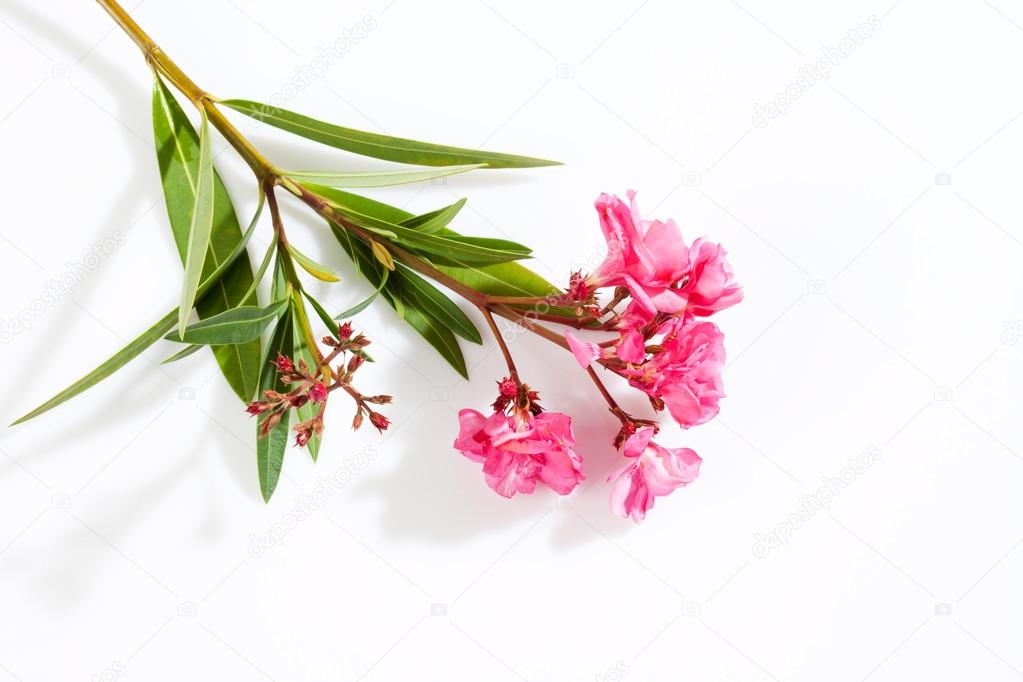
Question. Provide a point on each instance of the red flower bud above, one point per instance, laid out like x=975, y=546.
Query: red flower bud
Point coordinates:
x=299, y=400
x=344, y=331
x=317, y=392
x=357, y=422
x=301, y=438
x=284, y=364
x=355, y=363
x=257, y=407
x=380, y=421
x=507, y=388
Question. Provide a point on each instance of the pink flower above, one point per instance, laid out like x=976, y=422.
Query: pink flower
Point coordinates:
x=654, y=471
x=647, y=256
x=519, y=450
x=686, y=375
x=710, y=286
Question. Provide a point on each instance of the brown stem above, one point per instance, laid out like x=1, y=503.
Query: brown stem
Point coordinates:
x=199, y=97
x=612, y=404
x=500, y=342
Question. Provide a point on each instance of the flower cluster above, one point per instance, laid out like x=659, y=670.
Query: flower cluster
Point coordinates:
x=520, y=444
x=316, y=386
x=661, y=289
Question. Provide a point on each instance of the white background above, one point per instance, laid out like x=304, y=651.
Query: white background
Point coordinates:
x=875, y=226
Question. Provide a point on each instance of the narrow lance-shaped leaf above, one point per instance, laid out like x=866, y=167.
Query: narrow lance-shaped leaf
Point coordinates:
x=237, y=325
x=318, y=271
x=501, y=279
x=434, y=221
x=140, y=343
x=182, y=354
x=435, y=333
x=177, y=151
x=379, y=146
x=362, y=305
x=200, y=229
x=270, y=448
x=450, y=248
x=379, y=178
x=433, y=302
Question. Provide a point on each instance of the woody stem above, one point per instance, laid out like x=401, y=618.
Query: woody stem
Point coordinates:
x=501, y=342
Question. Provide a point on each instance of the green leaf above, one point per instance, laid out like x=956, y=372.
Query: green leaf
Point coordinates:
x=502, y=279
x=379, y=146
x=434, y=221
x=201, y=228
x=177, y=150
x=318, y=271
x=378, y=178
x=182, y=354
x=142, y=341
x=449, y=248
x=435, y=333
x=359, y=307
x=270, y=449
x=432, y=302
x=263, y=265
x=321, y=313
x=234, y=326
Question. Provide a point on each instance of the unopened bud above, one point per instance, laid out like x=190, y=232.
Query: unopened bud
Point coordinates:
x=355, y=363
x=257, y=407
x=380, y=421
x=344, y=331
x=317, y=392
x=357, y=422
x=284, y=364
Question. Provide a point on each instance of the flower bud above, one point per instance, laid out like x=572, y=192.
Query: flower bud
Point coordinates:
x=357, y=422
x=284, y=364
x=299, y=400
x=257, y=407
x=301, y=438
x=380, y=421
x=317, y=392
x=355, y=363
x=344, y=331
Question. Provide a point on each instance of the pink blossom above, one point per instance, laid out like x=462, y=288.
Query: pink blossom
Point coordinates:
x=654, y=471
x=686, y=375
x=519, y=450
x=647, y=256
x=710, y=286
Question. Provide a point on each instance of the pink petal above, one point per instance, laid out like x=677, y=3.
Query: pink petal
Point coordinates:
x=584, y=352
